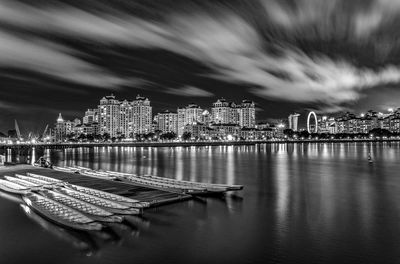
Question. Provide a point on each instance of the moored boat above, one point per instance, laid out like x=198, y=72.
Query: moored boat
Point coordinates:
x=65, y=169
x=166, y=186
x=91, y=210
x=99, y=175
x=181, y=185
x=109, y=196
x=13, y=187
x=105, y=204
x=27, y=184
x=45, y=178
x=209, y=186
x=60, y=213
x=77, y=239
x=34, y=180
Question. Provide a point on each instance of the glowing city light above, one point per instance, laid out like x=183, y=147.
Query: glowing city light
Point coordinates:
x=312, y=114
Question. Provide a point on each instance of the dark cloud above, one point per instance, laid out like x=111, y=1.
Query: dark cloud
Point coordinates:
x=329, y=55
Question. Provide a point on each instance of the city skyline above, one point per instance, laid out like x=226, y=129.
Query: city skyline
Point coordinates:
x=122, y=119
x=57, y=57
x=301, y=122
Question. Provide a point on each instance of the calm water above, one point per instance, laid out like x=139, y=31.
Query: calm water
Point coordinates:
x=304, y=203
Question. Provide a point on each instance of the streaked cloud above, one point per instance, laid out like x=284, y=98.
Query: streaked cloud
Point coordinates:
x=226, y=40
x=7, y=106
x=54, y=60
x=189, y=91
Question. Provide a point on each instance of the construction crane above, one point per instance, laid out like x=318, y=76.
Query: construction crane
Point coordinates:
x=45, y=131
x=17, y=130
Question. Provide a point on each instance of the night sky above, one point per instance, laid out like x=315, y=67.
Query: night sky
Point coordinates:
x=327, y=55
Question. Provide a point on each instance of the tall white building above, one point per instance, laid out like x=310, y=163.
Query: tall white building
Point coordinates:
x=167, y=122
x=109, y=116
x=141, y=115
x=91, y=116
x=126, y=119
x=189, y=115
x=293, y=121
x=247, y=114
x=224, y=112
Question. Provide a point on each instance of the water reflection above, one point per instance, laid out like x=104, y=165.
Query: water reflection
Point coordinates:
x=82, y=241
x=325, y=199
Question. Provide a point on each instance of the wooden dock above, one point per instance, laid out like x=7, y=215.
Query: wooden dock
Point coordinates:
x=154, y=197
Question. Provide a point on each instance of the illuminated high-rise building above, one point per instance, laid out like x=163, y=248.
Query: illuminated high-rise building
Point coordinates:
x=224, y=112
x=109, y=116
x=167, y=122
x=91, y=116
x=141, y=115
x=247, y=114
x=294, y=121
x=126, y=119
x=189, y=115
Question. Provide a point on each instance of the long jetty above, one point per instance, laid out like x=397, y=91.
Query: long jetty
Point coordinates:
x=151, y=196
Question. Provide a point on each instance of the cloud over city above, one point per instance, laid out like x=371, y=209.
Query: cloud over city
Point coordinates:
x=327, y=53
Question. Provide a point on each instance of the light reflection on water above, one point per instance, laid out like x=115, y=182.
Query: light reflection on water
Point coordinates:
x=302, y=203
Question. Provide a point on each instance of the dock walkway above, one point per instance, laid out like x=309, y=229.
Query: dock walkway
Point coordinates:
x=153, y=197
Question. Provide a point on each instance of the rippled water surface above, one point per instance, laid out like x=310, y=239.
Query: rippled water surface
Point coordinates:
x=302, y=203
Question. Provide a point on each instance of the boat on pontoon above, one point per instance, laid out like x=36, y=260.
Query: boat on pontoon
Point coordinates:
x=27, y=184
x=105, y=204
x=109, y=196
x=13, y=187
x=212, y=187
x=45, y=178
x=60, y=213
x=39, y=182
x=165, y=186
x=99, y=175
x=91, y=210
x=65, y=169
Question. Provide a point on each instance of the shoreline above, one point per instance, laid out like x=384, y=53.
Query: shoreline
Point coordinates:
x=189, y=143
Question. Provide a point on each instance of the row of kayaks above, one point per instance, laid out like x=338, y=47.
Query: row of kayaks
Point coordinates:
x=71, y=205
x=188, y=187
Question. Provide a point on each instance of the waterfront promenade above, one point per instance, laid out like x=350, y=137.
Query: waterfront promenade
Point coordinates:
x=184, y=143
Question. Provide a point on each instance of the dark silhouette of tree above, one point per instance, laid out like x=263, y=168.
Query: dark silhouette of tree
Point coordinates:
x=186, y=135
x=106, y=136
x=379, y=132
x=288, y=132
x=304, y=134
x=168, y=136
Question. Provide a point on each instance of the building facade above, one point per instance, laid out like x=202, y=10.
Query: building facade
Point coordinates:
x=141, y=115
x=224, y=112
x=91, y=116
x=189, y=115
x=247, y=114
x=167, y=122
x=294, y=121
x=109, y=116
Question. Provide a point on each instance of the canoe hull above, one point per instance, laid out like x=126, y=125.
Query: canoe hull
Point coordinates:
x=92, y=226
